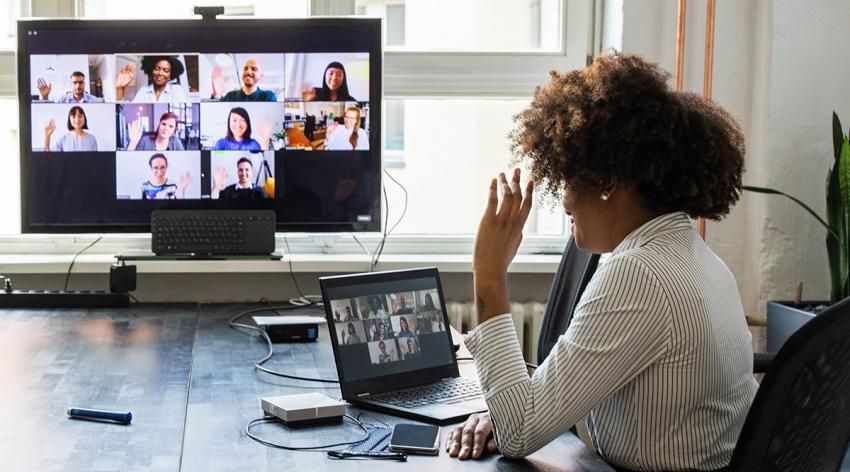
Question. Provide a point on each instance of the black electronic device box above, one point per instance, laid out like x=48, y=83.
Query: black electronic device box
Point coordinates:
x=103, y=144
x=287, y=329
x=122, y=278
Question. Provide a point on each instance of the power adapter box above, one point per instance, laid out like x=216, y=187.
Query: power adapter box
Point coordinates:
x=288, y=329
x=122, y=278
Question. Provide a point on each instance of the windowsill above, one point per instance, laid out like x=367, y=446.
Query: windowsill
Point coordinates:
x=321, y=263
x=316, y=253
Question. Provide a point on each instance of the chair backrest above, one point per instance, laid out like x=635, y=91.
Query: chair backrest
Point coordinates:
x=575, y=271
x=800, y=417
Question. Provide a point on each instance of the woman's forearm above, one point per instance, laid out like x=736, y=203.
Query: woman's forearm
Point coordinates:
x=491, y=295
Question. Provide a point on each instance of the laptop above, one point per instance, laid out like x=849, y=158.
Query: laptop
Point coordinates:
x=393, y=347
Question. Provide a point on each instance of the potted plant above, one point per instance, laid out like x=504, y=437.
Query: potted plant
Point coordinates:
x=783, y=318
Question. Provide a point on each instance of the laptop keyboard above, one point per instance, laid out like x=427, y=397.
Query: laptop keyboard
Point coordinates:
x=447, y=391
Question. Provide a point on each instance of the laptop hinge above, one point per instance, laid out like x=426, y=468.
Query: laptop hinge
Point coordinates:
x=364, y=394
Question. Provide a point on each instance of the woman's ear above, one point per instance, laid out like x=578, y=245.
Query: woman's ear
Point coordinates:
x=609, y=187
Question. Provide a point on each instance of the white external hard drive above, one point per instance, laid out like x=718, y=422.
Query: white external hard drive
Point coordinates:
x=304, y=408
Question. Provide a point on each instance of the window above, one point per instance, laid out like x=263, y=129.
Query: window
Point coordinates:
x=395, y=25
x=9, y=12
x=452, y=84
x=452, y=150
x=102, y=9
x=10, y=195
x=393, y=155
x=468, y=25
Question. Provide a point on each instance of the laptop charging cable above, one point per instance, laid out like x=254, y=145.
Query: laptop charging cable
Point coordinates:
x=366, y=447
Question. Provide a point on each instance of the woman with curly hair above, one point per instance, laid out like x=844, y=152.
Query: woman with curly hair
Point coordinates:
x=657, y=358
x=163, y=87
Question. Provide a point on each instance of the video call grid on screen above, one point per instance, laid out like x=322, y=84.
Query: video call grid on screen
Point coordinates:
x=388, y=328
x=203, y=110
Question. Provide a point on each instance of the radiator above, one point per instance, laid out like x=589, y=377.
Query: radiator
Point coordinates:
x=527, y=316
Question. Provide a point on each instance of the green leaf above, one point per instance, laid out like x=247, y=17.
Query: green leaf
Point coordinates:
x=844, y=244
x=837, y=135
x=844, y=173
x=835, y=247
x=751, y=188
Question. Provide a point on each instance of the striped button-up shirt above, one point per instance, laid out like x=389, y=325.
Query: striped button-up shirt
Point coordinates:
x=657, y=360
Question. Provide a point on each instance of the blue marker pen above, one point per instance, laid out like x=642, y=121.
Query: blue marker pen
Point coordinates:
x=100, y=415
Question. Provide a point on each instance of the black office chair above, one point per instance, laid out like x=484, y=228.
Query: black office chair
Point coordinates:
x=574, y=272
x=800, y=418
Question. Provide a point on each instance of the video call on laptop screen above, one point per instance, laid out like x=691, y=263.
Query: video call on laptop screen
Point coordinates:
x=127, y=120
x=388, y=328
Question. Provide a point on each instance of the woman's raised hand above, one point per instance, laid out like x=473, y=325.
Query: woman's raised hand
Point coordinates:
x=126, y=76
x=49, y=128
x=43, y=88
x=135, y=132
x=500, y=230
x=308, y=92
x=264, y=134
x=219, y=82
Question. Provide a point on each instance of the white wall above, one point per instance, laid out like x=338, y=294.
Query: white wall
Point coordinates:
x=781, y=67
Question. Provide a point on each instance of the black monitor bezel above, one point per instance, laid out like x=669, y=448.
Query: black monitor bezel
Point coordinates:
x=352, y=389
x=375, y=100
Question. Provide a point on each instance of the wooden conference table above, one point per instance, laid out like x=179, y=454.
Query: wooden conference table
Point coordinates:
x=189, y=381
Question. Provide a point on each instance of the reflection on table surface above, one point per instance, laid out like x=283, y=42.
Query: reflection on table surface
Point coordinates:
x=189, y=381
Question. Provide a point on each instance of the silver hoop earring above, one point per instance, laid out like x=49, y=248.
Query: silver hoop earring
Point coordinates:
x=605, y=196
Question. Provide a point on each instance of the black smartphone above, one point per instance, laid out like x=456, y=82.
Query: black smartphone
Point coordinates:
x=416, y=438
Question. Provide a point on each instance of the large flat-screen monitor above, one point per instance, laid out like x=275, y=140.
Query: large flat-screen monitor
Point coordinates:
x=120, y=118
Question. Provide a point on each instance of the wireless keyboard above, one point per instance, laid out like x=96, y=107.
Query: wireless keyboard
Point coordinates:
x=212, y=232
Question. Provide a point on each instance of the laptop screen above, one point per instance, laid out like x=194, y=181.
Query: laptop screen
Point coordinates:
x=385, y=327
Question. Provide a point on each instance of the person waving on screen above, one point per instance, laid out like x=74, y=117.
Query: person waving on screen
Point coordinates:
x=76, y=139
x=252, y=73
x=161, y=88
x=334, y=86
